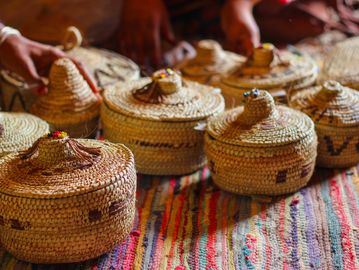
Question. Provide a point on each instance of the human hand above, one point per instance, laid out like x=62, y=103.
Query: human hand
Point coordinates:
x=29, y=59
x=143, y=24
x=240, y=28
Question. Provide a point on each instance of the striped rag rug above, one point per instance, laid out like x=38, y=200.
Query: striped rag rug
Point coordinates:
x=187, y=223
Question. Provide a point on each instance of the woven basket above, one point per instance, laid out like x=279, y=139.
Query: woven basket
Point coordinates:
x=271, y=70
x=335, y=111
x=18, y=131
x=71, y=104
x=210, y=62
x=261, y=149
x=106, y=67
x=341, y=64
x=66, y=200
x=157, y=119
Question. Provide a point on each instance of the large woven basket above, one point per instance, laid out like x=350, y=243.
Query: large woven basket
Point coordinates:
x=210, y=62
x=341, y=64
x=66, y=200
x=18, y=131
x=335, y=111
x=157, y=119
x=267, y=68
x=71, y=103
x=261, y=149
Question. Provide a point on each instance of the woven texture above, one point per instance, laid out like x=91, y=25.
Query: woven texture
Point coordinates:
x=160, y=128
x=210, y=62
x=71, y=105
x=187, y=223
x=271, y=70
x=261, y=148
x=341, y=64
x=18, y=131
x=335, y=111
x=60, y=195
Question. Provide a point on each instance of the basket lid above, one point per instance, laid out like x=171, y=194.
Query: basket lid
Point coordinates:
x=211, y=59
x=19, y=130
x=106, y=67
x=57, y=166
x=70, y=98
x=267, y=68
x=341, y=63
x=260, y=123
x=329, y=104
x=165, y=97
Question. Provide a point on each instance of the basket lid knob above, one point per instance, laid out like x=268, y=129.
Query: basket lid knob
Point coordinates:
x=262, y=56
x=331, y=88
x=259, y=105
x=168, y=80
x=72, y=39
x=208, y=52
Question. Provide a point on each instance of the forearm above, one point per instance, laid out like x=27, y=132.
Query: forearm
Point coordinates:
x=246, y=3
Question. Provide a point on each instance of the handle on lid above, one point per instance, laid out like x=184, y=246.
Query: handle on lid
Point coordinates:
x=163, y=82
x=72, y=39
x=56, y=148
x=259, y=105
x=208, y=52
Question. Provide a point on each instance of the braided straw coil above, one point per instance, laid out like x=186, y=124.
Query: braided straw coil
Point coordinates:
x=156, y=118
x=106, y=67
x=261, y=149
x=18, y=131
x=71, y=104
x=335, y=112
x=210, y=62
x=341, y=64
x=268, y=69
x=66, y=200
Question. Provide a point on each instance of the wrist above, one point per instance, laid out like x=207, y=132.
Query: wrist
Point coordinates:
x=6, y=32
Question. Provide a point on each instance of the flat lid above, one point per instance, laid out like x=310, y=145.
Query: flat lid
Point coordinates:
x=70, y=97
x=57, y=166
x=211, y=59
x=266, y=69
x=260, y=123
x=164, y=97
x=329, y=104
x=19, y=131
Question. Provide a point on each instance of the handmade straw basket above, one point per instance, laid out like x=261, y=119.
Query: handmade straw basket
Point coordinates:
x=341, y=64
x=104, y=66
x=66, y=200
x=266, y=68
x=18, y=131
x=335, y=112
x=71, y=104
x=158, y=118
x=261, y=149
x=210, y=62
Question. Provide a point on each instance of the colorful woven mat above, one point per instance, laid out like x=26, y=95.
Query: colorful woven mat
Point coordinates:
x=187, y=223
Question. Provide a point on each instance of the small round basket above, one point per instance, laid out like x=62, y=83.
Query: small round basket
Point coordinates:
x=341, y=64
x=18, y=131
x=66, y=200
x=267, y=68
x=260, y=148
x=71, y=104
x=159, y=119
x=210, y=62
x=335, y=112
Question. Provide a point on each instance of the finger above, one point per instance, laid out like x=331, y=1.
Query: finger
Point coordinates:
x=166, y=30
x=29, y=73
x=153, y=44
x=139, y=46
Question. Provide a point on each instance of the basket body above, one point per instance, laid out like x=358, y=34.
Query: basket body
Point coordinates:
x=261, y=171
x=338, y=147
x=159, y=147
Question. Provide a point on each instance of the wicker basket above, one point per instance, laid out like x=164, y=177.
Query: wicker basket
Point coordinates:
x=261, y=149
x=71, y=103
x=157, y=119
x=335, y=111
x=210, y=62
x=66, y=200
x=278, y=72
x=18, y=131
